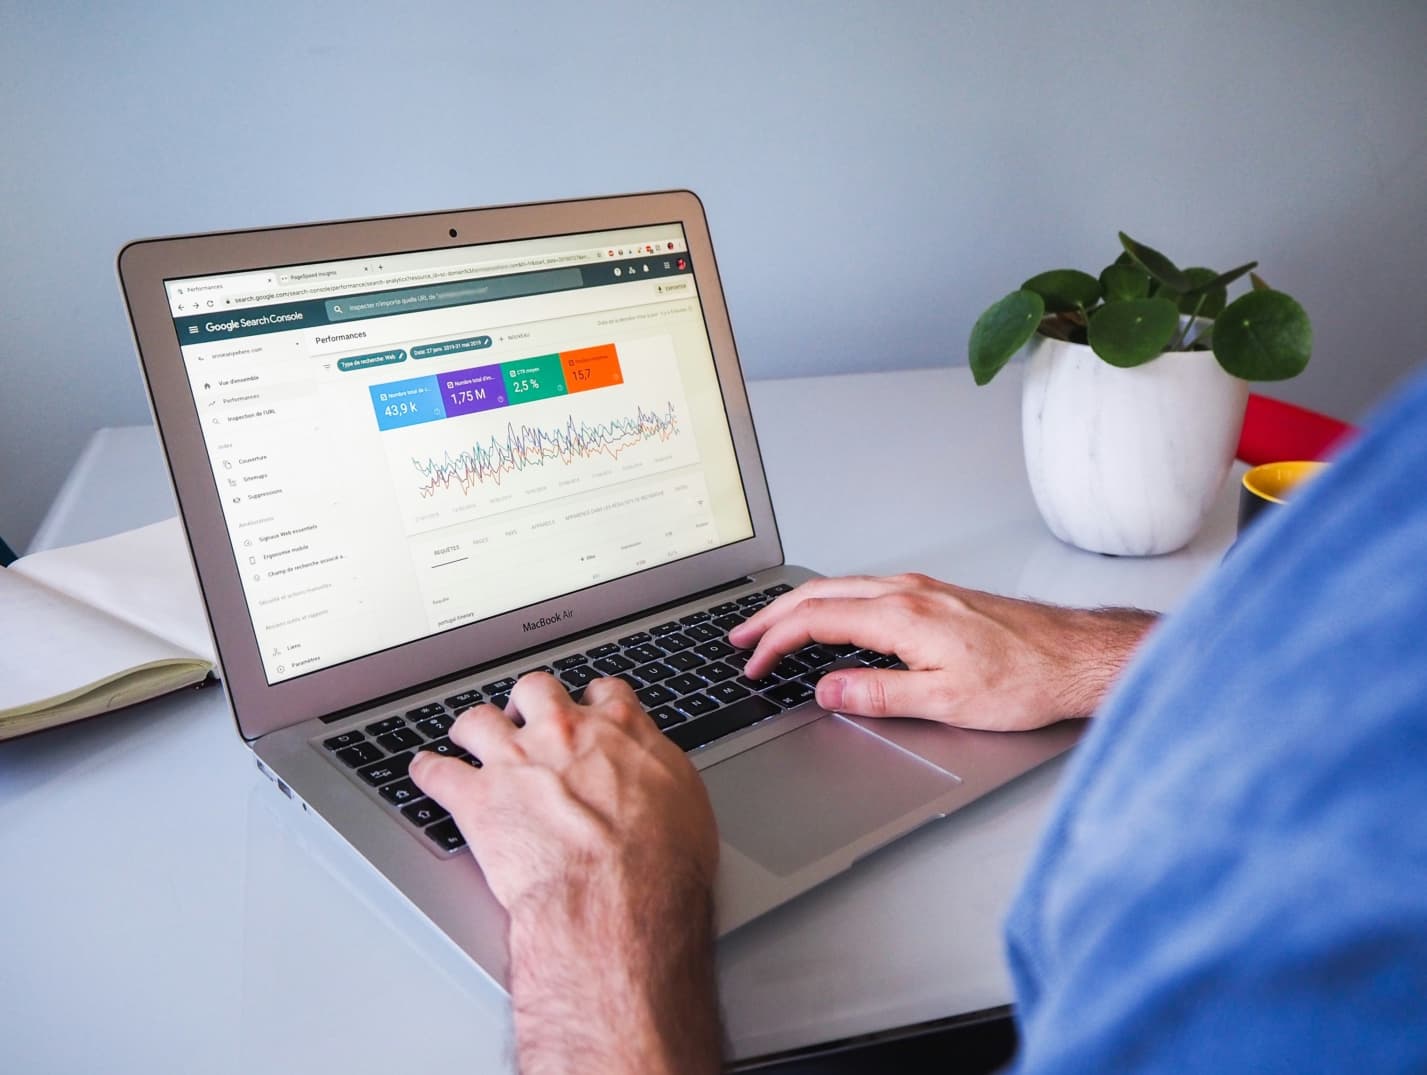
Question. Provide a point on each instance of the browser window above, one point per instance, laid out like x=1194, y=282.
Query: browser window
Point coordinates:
x=408, y=444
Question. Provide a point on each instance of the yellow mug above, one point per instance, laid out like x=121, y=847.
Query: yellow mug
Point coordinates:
x=1271, y=484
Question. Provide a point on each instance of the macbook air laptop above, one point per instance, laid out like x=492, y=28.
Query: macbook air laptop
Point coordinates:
x=417, y=457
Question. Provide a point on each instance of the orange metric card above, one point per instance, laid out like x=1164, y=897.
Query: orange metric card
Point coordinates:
x=591, y=367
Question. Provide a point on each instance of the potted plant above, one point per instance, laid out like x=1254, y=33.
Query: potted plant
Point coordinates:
x=1135, y=391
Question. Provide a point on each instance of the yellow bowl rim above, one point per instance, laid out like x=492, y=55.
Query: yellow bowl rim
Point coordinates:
x=1304, y=468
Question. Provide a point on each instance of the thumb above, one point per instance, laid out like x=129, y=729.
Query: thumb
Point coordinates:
x=877, y=692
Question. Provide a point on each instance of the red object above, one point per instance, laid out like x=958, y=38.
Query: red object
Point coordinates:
x=1276, y=432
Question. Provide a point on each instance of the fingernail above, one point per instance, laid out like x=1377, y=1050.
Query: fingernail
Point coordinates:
x=830, y=691
x=418, y=762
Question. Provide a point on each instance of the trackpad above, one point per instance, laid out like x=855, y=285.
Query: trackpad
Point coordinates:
x=805, y=795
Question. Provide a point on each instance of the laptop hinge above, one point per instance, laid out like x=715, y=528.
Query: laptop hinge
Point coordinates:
x=340, y=714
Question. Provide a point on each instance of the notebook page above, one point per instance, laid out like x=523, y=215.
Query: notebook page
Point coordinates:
x=56, y=647
x=143, y=576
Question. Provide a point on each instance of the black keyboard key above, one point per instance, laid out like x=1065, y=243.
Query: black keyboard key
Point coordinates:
x=436, y=727
x=777, y=590
x=614, y=664
x=604, y=651
x=684, y=662
x=665, y=717
x=399, y=740
x=752, y=600
x=464, y=700
x=445, y=835
x=425, y=812
x=577, y=693
x=445, y=748
x=789, y=694
x=885, y=660
x=401, y=791
x=716, y=671
x=704, y=632
x=645, y=651
x=715, y=650
x=674, y=641
x=654, y=694
x=634, y=639
x=579, y=675
x=723, y=609
x=866, y=656
x=500, y=686
x=729, y=622
x=654, y=671
x=346, y=739
x=500, y=701
x=741, y=714
x=693, y=618
x=789, y=668
x=727, y=693
x=816, y=656
x=359, y=754
x=537, y=668
x=686, y=683
x=695, y=705
x=386, y=770
x=430, y=709
x=664, y=629
x=391, y=724
x=565, y=663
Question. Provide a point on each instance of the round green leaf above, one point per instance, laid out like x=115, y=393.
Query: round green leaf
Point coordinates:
x=1124, y=282
x=1132, y=332
x=1002, y=331
x=1203, y=282
x=1263, y=336
x=1065, y=289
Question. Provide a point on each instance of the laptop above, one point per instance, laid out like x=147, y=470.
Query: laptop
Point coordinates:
x=417, y=457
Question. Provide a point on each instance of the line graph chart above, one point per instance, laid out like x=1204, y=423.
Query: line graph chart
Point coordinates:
x=474, y=466
x=521, y=447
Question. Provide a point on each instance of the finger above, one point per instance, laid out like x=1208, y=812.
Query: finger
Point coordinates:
x=447, y=780
x=535, y=695
x=487, y=732
x=877, y=692
x=860, y=621
x=608, y=689
x=747, y=633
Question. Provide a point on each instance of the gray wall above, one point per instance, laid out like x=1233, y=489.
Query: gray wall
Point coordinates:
x=875, y=173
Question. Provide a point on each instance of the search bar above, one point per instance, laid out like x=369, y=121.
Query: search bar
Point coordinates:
x=436, y=296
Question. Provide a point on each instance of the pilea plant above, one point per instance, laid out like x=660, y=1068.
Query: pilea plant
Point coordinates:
x=1144, y=305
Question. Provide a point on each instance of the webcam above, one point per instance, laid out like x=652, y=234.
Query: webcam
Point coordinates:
x=453, y=233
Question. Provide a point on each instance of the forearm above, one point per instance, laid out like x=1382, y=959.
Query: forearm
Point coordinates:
x=1094, y=648
x=602, y=981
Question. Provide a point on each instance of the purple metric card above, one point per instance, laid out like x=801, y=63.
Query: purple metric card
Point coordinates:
x=472, y=390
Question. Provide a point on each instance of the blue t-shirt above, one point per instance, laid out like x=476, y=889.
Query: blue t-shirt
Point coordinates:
x=1234, y=878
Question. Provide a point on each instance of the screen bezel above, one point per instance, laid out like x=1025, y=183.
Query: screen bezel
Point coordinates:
x=260, y=707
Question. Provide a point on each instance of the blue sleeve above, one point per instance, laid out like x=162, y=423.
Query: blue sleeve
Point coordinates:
x=1234, y=878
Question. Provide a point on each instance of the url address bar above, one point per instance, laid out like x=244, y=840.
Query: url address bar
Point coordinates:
x=369, y=282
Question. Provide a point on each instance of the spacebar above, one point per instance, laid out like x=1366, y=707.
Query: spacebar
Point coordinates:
x=741, y=714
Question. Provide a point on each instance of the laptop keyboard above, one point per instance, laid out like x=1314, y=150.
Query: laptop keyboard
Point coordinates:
x=684, y=672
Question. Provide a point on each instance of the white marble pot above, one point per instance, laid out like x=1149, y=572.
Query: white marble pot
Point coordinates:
x=1127, y=461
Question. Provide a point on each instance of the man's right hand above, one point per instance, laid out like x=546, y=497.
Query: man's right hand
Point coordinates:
x=973, y=659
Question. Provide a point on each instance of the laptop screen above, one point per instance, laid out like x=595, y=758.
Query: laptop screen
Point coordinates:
x=406, y=444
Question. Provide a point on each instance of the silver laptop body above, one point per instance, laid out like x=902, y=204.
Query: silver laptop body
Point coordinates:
x=418, y=456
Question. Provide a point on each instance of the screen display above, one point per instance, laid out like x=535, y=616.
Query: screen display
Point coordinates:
x=403, y=445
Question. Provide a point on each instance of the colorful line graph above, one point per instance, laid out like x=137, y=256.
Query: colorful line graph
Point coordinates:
x=525, y=447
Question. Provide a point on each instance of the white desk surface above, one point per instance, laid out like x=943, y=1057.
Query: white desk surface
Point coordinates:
x=166, y=909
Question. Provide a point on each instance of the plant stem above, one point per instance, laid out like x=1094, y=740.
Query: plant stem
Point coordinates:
x=1178, y=343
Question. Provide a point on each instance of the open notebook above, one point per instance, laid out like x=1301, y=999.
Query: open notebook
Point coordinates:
x=99, y=626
